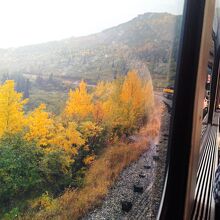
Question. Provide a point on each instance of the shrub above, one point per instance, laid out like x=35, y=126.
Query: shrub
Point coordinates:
x=27, y=171
x=56, y=170
x=45, y=201
x=19, y=168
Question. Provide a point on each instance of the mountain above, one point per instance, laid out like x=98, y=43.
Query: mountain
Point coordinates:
x=146, y=42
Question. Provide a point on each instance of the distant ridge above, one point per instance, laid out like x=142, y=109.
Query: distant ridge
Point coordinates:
x=147, y=38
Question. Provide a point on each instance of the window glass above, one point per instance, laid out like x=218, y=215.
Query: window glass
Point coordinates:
x=86, y=92
x=209, y=74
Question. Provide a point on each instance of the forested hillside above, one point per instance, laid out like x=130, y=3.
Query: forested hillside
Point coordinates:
x=147, y=38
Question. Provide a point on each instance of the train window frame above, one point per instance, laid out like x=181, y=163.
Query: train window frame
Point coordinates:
x=187, y=95
x=185, y=126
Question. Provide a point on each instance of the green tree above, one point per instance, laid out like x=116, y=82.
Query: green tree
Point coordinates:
x=27, y=170
x=19, y=168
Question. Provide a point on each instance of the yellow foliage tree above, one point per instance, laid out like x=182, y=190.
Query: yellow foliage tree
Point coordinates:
x=40, y=125
x=103, y=90
x=148, y=96
x=90, y=129
x=132, y=90
x=128, y=102
x=109, y=108
x=100, y=90
x=92, y=134
x=67, y=137
x=79, y=103
x=136, y=97
x=102, y=97
x=98, y=112
x=52, y=134
x=12, y=118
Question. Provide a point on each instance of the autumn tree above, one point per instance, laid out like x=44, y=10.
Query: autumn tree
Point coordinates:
x=90, y=131
x=107, y=108
x=148, y=95
x=137, y=97
x=39, y=125
x=103, y=90
x=127, y=103
x=79, y=104
x=132, y=98
x=12, y=118
x=98, y=112
x=132, y=90
x=67, y=137
x=52, y=134
x=101, y=98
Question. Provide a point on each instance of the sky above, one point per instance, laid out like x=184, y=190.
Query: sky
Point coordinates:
x=25, y=22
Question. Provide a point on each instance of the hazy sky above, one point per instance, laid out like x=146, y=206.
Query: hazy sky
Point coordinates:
x=24, y=22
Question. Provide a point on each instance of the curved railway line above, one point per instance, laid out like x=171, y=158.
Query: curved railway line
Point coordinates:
x=147, y=172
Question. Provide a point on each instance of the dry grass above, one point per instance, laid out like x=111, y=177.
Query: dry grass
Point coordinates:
x=74, y=204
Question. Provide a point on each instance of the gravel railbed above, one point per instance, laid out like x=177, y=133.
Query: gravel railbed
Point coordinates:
x=144, y=205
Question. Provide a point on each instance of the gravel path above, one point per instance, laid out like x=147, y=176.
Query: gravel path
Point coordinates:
x=148, y=172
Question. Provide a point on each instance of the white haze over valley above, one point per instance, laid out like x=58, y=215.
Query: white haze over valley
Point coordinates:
x=25, y=22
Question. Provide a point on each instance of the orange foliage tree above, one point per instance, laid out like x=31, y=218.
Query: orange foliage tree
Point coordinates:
x=127, y=101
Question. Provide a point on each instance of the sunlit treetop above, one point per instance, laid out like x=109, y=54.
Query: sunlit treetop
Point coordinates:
x=39, y=125
x=79, y=103
x=12, y=118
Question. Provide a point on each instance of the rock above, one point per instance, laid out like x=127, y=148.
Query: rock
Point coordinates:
x=147, y=167
x=156, y=158
x=142, y=175
x=126, y=206
x=138, y=188
x=132, y=139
